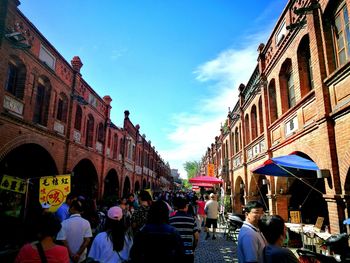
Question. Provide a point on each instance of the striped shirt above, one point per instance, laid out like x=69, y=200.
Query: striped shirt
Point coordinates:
x=186, y=225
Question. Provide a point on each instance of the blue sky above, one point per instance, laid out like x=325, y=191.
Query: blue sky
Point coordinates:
x=174, y=64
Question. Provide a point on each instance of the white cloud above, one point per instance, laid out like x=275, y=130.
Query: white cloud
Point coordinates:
x=195, y=131
x=118, y=53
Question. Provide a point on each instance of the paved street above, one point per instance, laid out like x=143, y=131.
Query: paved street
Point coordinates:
x=218, y=251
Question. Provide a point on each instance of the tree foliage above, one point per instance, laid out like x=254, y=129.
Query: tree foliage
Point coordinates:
x=192, y=168
x=186, y=184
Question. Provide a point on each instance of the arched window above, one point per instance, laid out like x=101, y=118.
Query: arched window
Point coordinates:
x=78, y=117
x=287, y=86
x=101, y=133
x=16, y=77
x=254, y=122
x=90, y=131
x=247, y=129
x=115, y=146
x=42, y=101
x=232, y=146
x=261, y=120
x=62, y=108
x=121, y=146
x=237, y=144
x=341, y=34
x=272, y=101
x=305, y=66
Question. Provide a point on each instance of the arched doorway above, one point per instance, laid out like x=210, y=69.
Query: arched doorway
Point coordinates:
x=303, y=198
x=126, y=187
x=259, y=189
x=239, y=193
x=111, y=185
x=144, y=184
x=28, y=162
x=137, y=186
x=85, y=180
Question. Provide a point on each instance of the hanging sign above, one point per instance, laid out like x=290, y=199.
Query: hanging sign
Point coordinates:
x=295, y=217
x=14, y=184
x=53, y=190
x=211, y=169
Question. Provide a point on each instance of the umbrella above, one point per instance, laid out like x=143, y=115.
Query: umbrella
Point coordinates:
x=285, y=165
x=205, y=179
x=346, y=221
x=289, y=165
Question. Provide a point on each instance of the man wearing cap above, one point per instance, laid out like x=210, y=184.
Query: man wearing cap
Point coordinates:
x=75, y=233
x=211, y=208
x=112, y=246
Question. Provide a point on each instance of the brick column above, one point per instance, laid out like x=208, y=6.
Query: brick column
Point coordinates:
x=282, y=202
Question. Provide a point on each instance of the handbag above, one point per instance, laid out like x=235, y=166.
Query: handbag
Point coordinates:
x=41, y=252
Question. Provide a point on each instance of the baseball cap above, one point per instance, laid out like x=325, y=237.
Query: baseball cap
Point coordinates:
x=115, y=213
x=45, y=205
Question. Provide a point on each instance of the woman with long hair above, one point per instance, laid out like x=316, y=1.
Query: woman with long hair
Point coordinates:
x=112, y=245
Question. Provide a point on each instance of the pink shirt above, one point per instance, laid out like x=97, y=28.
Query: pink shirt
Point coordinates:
x=30, y=254
x=201, y=205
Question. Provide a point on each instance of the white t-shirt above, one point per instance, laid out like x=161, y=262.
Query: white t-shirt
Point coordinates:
x=102, y=249
x=74, y=230
x=251, y=243
x=212, y=207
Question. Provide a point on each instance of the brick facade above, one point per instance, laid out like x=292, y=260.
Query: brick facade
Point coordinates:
x=300, y=56
x=46, y=103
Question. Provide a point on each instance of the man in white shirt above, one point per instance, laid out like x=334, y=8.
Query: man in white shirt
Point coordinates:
x=251, y=241
x=211, y=209
x=75, y=233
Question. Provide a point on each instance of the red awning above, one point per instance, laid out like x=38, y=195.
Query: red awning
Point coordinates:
x=205, y=179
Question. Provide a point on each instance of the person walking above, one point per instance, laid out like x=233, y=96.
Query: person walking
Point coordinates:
x=251, y=241
x=36, y=252
x=62, y=212
x=157, y=241
x=187, y=227
x=75, y=233
x=112, y=245
x=201, y=213
x=211, y=209
x=140, y=215
x=274, y=230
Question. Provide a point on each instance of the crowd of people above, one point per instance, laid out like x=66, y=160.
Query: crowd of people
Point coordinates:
x=164, y=227
x=142, y=228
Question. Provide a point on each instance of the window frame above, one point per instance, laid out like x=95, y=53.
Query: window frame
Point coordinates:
x=339, y=13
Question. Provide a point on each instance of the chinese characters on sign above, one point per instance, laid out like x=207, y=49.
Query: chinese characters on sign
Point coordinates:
x=295, y=217
x=211, y=169
x=14, y=184
x=53, y=190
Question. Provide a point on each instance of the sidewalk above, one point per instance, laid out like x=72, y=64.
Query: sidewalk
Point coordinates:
x=215, y=251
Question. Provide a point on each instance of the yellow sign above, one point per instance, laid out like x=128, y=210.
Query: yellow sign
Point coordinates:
x=211, y=169
x=149, y=191
x=53, y=190
x=14, y=184
x=295, y=217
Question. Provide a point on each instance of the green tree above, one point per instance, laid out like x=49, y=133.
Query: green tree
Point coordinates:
x=192, y=168
x=186, y=184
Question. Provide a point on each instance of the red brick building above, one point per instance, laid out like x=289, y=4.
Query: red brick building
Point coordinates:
x=296, y=101
x=52, y=122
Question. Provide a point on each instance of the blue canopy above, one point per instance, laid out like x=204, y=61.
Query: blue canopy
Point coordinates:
x=295, y=164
